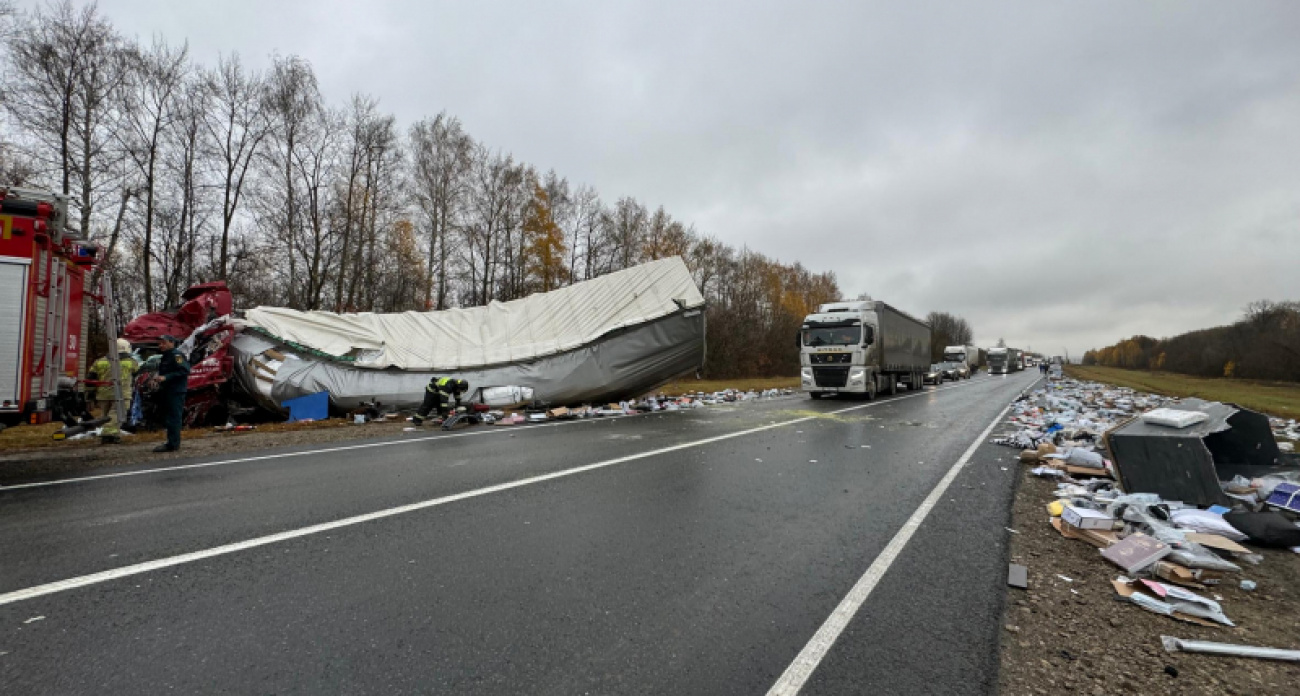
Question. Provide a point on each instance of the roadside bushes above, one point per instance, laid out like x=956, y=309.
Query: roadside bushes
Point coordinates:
x=1264, y=344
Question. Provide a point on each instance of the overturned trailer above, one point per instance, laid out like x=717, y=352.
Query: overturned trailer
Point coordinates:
x=611, y=337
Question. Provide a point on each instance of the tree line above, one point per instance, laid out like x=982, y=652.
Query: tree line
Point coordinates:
x=1264, y=344
x=185, y=173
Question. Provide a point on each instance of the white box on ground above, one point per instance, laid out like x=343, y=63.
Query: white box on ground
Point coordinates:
x=1083, y=518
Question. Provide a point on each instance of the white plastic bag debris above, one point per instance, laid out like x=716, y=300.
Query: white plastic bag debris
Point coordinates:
x=1205, y=522
x=505, y=397
x=1210, y=648
x=1173, y=418
x=1084, y=458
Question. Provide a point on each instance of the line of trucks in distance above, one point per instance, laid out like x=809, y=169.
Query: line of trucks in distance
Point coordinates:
x=866, y=347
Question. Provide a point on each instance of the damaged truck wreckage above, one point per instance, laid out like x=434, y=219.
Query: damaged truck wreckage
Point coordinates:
x=611, y=337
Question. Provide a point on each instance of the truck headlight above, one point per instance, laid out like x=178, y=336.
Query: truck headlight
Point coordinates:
x=857, y=375
x=805, y=373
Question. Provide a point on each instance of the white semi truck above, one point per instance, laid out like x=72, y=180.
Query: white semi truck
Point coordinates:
x=965, y=355
x=861, y=347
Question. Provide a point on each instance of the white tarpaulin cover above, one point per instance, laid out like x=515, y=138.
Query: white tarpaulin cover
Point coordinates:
x=503, y=332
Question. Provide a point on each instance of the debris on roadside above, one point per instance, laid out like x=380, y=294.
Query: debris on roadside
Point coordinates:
x=1203, y=646
x=1018, y=576
x=1173, y=492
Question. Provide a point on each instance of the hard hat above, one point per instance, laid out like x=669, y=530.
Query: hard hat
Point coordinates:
x=123, y=345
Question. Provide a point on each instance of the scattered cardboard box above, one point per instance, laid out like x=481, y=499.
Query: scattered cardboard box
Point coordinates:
x=1136, y=551
x=1083, y=518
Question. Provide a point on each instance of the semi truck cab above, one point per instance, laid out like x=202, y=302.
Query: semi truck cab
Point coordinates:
x=834, y=350
x=861, y=347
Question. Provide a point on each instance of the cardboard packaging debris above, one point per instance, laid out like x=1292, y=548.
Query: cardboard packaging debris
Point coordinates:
x=1096, y=537
x=1176, y=574
x=1136, y=551
x=1182, y=605
x=1216, y=542
x=1083, y=518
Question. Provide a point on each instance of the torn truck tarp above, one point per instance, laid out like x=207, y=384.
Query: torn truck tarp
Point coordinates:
x=500, y=333
x=646, y=340
x=1180, y=463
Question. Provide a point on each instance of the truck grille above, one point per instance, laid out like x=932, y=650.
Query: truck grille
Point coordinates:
x=830, y=358
x=831, y=376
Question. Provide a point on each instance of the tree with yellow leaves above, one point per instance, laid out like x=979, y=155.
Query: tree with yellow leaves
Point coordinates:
x=544, y=246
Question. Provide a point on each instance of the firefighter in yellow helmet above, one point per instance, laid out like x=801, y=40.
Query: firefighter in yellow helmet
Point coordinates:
x=440, y=393
x=101, y=372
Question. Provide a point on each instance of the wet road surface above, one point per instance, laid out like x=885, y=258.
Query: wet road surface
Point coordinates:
x=788, y=545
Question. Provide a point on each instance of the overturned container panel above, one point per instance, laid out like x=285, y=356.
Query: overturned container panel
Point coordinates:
x=614, y=336
x=1187, y=464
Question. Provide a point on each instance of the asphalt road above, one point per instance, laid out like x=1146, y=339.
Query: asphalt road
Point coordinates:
x=701, y=552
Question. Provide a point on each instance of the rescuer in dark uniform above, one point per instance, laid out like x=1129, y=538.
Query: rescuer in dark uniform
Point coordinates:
x=172, y=380
x=440, y=393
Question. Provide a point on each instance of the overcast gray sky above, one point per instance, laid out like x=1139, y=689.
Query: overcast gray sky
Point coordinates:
x=1062, y=174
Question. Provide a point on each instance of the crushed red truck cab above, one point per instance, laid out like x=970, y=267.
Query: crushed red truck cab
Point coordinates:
x=45, y=306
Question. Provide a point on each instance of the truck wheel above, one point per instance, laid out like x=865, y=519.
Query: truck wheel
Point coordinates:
x=871, y=389
x=815, y=395
x=893, y=385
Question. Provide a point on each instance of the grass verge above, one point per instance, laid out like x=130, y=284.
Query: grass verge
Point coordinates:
x=1279, y=399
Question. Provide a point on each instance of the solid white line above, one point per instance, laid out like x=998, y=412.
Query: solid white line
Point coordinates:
x=148, y=566
x=241, y=460
x=796, y=675
x=326, y=450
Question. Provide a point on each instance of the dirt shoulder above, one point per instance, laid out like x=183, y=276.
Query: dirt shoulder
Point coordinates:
x=1076, y=637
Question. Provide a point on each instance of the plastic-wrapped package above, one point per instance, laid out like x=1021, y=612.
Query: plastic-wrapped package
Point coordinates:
x=1207, y=522
x=1174, y=418
x=504, y=397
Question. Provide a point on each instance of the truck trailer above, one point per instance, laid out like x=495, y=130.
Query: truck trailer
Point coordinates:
x=862, y=347
x=45, y=308
x=966, y=355
x=1004, y=361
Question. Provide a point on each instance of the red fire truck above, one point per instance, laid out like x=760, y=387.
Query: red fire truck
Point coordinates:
x=45, y=307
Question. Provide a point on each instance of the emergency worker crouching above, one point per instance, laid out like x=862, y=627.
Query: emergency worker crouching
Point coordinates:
x=443, y=394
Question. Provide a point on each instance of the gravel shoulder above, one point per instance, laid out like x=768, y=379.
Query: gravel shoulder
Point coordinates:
x=1079, y=638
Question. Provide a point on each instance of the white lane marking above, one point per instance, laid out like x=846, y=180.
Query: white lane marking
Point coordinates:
x=344, y=448
x=148, y=566
x=241, y=460
x=796, y=675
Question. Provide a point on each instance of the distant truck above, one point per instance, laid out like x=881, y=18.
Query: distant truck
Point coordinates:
x=862, y=347
x=966, y=355
x=1005, y=361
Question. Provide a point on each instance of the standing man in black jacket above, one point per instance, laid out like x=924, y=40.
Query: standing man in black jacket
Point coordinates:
x=172, y=380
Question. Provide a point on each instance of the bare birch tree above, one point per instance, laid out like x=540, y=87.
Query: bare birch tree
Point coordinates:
x=440, y=167
x=149, y=108
x=236, y=126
